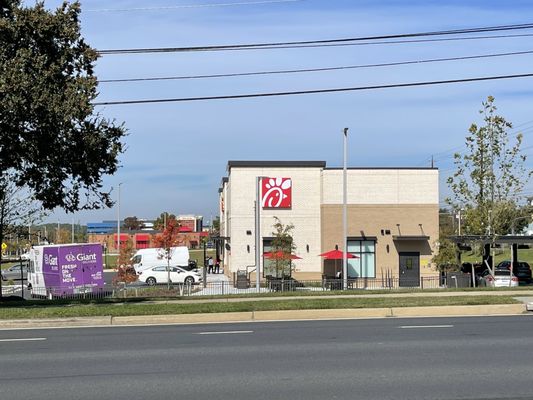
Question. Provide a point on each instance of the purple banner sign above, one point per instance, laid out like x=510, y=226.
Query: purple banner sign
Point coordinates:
x=73, y=269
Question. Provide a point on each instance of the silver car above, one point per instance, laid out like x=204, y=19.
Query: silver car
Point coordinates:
x=500, y=278
x=13, y=273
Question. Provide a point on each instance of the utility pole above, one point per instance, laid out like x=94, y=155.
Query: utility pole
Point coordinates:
x=344, y=216
x=118, y=222
x=459, y=216
x=72, y=237
x=258, y=234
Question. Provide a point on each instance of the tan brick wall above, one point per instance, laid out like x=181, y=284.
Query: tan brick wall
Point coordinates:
x=368, y=220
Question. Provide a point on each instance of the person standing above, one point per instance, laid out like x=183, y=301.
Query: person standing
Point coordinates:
x=210, y=265
x=217, y=266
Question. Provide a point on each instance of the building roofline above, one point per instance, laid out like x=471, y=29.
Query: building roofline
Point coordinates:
x=276, y=164
x=382, y=168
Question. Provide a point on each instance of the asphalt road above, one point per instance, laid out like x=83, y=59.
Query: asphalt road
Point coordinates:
x=425, y=358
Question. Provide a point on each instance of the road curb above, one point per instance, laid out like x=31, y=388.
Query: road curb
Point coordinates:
x=55, y=322
x=260, y=316
x=449, y=311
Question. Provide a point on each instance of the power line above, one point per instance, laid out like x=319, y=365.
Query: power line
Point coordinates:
x=317, y=42
x=189, y=6
x=293, y=71
x=316, y=91
x=174, y=50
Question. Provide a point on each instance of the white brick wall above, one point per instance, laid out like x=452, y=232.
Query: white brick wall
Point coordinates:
x=304, y=215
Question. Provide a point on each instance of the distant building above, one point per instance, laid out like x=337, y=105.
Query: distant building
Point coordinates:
x=190, y=223
x=105, y=233
x=104, y=227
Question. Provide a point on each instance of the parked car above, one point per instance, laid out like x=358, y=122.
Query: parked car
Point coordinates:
x=193, y=266
x=159, y=274
x=13, y=273
x=500, y=278
x=521, y=270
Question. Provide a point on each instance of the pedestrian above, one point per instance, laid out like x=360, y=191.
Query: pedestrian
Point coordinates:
x=217, y=266
x=210, y=265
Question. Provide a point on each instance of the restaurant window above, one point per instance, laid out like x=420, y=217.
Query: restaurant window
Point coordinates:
x=365, y=265
x=269, y=263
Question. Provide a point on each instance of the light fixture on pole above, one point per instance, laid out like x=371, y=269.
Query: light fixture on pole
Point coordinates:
x=344, y=217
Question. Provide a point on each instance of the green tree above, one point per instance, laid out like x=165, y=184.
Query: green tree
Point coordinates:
x=159, y=223
x=282, y=248
x=446, y=258
x=53, y=143
x=490, y=177
x=215, y=226
x=132, y=223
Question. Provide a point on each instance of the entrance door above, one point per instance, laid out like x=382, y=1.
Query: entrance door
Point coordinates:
x=409, y=269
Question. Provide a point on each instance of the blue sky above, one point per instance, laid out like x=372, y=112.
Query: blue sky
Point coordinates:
x=177, y=152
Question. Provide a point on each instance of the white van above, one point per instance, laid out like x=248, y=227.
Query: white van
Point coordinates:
x=153, y=257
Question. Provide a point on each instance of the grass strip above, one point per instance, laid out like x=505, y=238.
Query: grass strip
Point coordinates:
x=129, y=309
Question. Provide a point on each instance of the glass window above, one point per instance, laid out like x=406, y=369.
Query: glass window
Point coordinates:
x=354, y=246
x=365, y=265
x=269, y=264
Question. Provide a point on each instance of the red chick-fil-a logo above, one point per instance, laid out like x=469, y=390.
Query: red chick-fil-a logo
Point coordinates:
x=276, y=192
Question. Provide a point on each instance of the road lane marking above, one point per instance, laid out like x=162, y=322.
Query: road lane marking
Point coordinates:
x=224, y=333
x=23, y=340
x=424, y=326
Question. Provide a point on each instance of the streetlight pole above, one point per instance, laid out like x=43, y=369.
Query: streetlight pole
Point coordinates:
x=257, y=233
x=118, y=223
x=344, y=216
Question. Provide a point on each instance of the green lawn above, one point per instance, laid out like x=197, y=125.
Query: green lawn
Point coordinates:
x=500, y=255
x=128, y=309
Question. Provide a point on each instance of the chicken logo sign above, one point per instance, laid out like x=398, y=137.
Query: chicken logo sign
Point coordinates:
x=276, y=192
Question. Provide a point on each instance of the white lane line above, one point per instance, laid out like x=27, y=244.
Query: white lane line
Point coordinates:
x=224, y=333
x=23, y=340
x=424, y=326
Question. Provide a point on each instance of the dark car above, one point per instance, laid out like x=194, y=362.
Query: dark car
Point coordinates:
x=192, y=266
x=521, y=270
x=13, y=273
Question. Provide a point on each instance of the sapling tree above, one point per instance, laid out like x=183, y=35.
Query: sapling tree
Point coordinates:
x=166, y=241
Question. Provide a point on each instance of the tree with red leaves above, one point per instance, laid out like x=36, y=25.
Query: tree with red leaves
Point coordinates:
x=167, y=241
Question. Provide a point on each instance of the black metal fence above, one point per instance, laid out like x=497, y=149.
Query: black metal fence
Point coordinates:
x=224, y=288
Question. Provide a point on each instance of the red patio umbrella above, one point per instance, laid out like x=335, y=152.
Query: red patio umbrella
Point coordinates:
x=336, y=255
